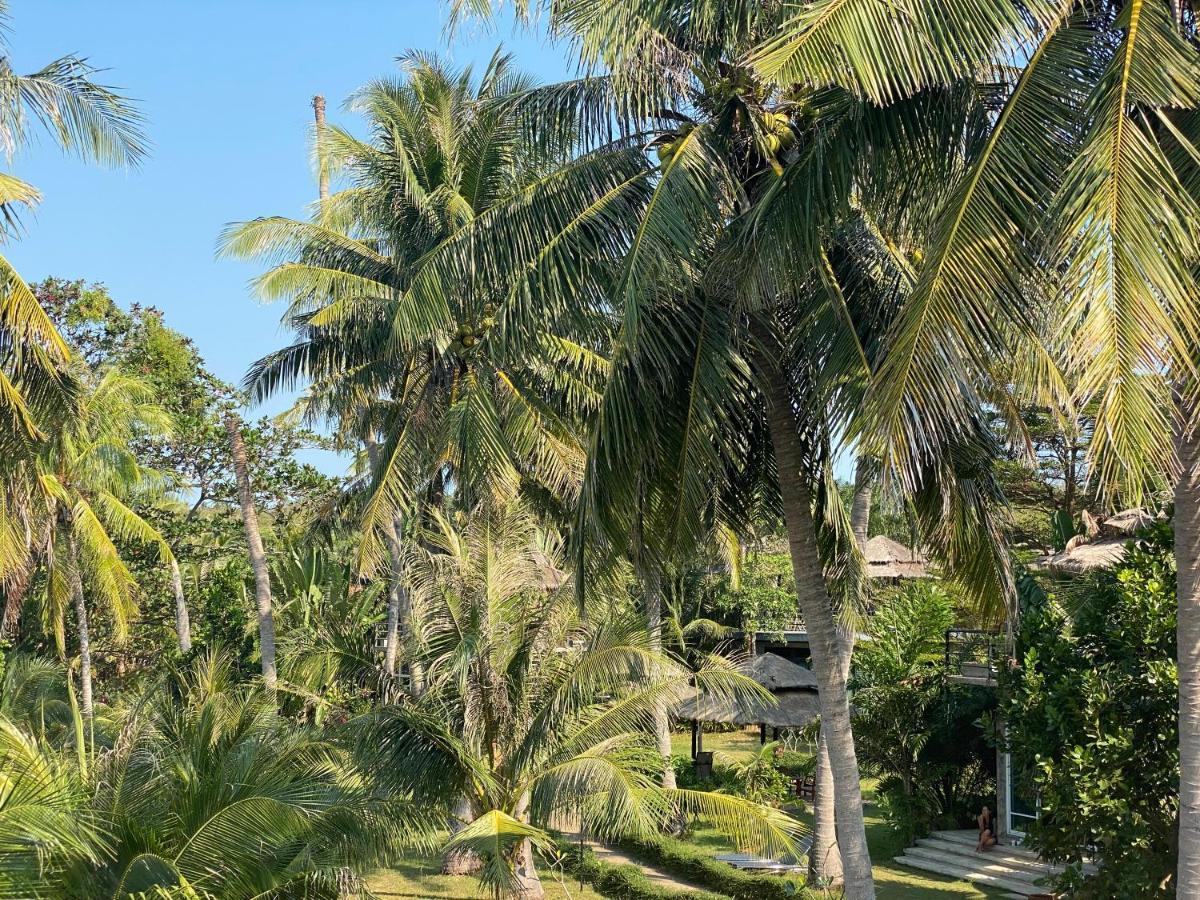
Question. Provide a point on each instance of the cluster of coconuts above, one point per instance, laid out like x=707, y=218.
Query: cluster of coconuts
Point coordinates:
x=779, y=134
x=469, y=334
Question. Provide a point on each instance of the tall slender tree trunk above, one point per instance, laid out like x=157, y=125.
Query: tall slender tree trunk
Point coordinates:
x=823, y=635
x=183, y=621
x=860, y=507
x=825, y=858
x=318, y=105
x=652, y=584
x=461, y=862
x=81, y=625
x=1187, y=559
x=397, y=611
x=258, y=558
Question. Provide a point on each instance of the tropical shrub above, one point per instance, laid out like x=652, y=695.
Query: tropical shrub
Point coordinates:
x=1092, y=722
x=623, y=882
x=691, y=864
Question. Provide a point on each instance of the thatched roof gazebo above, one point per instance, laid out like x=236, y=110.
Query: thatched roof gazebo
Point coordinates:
x=793, y=687
x=887, y=558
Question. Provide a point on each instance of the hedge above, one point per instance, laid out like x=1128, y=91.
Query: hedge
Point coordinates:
x=689, y=863
x=623, y=882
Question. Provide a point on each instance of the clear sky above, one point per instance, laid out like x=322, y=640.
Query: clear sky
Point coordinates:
x=225, y=86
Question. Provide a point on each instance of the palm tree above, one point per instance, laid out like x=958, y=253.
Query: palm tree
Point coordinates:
x=456, y=395
x=85, y=118
x=84, y=477
x=1085, y=197
x=534, y=717
x=91, y=120
x=46, y=828
x=258, y=556
x=207, y=792
x=746, y=372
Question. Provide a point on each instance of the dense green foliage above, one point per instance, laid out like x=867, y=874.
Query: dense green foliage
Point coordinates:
x=919, y=732
x=607, y=335
x=1091, y=720
x=622, y=882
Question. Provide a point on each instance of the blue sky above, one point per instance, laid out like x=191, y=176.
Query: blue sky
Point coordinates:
x=225, y=87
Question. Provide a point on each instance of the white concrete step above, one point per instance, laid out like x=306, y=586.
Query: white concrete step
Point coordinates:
x=1009, y=868
x=1023, y=862
x=1019, y=888
x=980, y=863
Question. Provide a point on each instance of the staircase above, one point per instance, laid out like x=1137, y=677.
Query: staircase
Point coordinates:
x=1004, y=867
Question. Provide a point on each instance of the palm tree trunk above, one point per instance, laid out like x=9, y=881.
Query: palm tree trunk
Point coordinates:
x=825, y=859
x=81, y=624
x=258, y=558
x=824, y=640
x=1187, y=559
x=662, y=719
x=397, y=612
x=183, y=621
x=529, y=885
x=860, y=507
x=461, y=862
x=318, y=105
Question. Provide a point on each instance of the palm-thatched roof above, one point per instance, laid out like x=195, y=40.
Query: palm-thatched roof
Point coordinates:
x=1104, y=544
x=793, y=686
x=792, y=709
x=775, y=673
x=887, y=558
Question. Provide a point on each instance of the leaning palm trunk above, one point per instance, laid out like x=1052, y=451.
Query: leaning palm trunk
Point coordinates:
x=183, y=621
x=1187, y=559
x=258, y=557
x=825, y=859
x=824, y=639
x=81, y=623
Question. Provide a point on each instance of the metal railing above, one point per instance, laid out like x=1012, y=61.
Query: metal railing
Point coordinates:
x=973, y=655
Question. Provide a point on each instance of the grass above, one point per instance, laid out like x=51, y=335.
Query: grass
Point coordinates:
x=419, y=878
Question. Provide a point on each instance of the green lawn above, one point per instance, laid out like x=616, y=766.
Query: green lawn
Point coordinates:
x=419, y=878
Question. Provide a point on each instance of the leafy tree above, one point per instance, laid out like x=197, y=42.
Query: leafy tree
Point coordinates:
x=1092, y=723
x=764, y=597
x=202, y=526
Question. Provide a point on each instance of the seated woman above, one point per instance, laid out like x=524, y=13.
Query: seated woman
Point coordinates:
x=987, y=830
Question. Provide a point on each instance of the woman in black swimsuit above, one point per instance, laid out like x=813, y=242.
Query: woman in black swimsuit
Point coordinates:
x=987, y=831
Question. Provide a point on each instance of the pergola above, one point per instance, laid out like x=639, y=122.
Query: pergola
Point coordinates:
x=795, y=704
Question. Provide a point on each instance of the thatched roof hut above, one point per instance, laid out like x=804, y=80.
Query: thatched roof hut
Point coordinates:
x=1103, y=545
x=794, y=688
x=887, y=558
